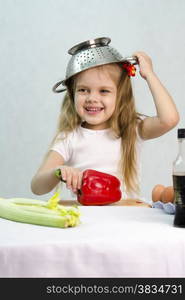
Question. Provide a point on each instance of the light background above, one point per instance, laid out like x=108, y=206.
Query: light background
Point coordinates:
x=35, y=36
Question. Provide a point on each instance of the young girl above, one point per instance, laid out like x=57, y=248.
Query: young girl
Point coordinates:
x=100, y=129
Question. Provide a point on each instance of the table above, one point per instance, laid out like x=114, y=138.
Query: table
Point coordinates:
x=111, y=241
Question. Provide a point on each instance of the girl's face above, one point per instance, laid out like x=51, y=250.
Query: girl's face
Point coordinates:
x=95, y=95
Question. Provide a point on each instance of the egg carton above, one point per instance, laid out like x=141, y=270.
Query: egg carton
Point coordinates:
x=169, y=207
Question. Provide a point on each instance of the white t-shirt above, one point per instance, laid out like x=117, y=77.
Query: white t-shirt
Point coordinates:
x=93, y=149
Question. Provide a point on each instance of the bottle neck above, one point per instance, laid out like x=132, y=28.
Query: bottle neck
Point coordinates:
x=181, y=147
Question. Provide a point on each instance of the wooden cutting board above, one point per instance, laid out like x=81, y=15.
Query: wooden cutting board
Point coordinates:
x=123, y=202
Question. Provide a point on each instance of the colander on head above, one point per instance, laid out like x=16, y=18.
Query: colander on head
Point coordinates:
x=90, y=54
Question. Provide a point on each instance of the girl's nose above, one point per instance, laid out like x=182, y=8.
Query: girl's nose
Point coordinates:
x=92, y=97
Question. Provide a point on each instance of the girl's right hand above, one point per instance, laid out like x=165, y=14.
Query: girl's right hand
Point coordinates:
x=72, y=176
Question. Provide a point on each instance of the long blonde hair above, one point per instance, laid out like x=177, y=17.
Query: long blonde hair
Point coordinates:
x=123, y=122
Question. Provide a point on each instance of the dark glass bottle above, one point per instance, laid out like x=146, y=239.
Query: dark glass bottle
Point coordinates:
x=179, y=180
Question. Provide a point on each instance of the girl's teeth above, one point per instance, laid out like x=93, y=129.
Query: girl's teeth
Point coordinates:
x=93, y=109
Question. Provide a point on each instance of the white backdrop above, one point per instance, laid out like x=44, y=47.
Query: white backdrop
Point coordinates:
x=35, y=36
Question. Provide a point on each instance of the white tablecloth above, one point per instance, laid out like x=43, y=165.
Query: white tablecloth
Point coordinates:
x=110, y=242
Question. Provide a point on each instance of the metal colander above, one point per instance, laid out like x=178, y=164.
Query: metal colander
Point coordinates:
x=90, y=54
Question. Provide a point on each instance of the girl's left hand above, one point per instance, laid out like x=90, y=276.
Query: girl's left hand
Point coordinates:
x=145, y=64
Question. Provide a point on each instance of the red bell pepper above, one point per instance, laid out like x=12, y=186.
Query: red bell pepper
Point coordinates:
x=99, y=188
x=131, y=69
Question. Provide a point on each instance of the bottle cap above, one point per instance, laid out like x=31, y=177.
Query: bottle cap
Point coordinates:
x=181, y=133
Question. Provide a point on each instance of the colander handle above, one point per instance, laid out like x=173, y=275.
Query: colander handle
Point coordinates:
x=55, y=90
x=132, y=60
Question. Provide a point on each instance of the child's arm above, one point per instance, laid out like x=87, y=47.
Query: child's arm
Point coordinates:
x=167, y=114
x=45, y=179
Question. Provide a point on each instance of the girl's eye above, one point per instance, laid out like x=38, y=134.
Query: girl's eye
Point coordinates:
x=82, y=90
x=105, y=91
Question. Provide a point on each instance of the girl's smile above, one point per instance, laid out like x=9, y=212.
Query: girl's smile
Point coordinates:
x=95, y=96
x=93, y=110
